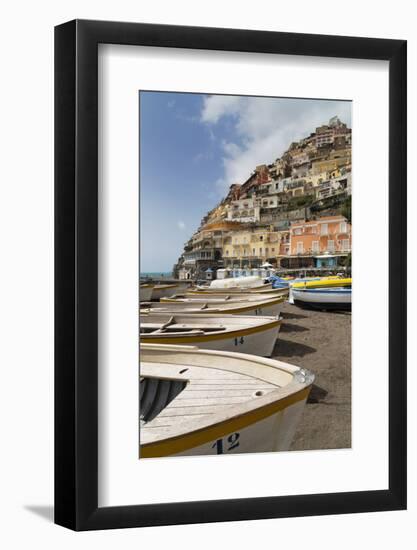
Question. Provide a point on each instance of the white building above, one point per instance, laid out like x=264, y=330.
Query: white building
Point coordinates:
x=243, y=210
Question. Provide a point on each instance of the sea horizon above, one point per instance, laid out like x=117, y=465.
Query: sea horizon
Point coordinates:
x=156, y=274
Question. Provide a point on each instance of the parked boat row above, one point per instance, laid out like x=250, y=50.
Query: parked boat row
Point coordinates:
x=245, y=334
x=266, y=306
x=229, y=298
x=203, y=402
x=151, y=291
x=323, y=293
x=265, y=289
x=204, y=385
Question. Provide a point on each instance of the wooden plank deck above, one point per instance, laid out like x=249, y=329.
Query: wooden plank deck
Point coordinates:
x=206, y=392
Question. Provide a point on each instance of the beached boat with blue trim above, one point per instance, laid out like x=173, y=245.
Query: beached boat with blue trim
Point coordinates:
x=323, y=298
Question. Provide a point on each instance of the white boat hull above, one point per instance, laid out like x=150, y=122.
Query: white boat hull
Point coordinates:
x=204, y=402
x=274, y=433
x=159, y=293
x=323, y=298
x=259, y=343
x=269, y=309
x=145, y=293
x=229, y=296
x=238, y=291
x=237, y=282
x=182, y=287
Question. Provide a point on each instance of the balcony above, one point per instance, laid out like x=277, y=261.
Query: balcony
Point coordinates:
x=316, y=253
x=202, y=237
x=262, y=191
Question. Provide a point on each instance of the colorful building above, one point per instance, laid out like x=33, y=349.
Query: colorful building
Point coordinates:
x=264, y=218
x=326, y=239
x=251, y=248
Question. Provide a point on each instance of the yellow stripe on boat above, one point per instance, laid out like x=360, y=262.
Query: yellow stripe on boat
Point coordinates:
x=165, y=286
x=218, y=308
x=188, y=441
x=323, y=283
x=173, y=340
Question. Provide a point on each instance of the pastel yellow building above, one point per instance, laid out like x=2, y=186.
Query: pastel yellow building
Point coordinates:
x=336, y=160
x=251, y=247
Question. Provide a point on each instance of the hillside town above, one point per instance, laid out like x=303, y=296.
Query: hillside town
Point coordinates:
x=292, y=214
x=267, y=274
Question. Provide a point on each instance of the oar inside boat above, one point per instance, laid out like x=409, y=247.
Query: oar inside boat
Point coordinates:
x=243, y=333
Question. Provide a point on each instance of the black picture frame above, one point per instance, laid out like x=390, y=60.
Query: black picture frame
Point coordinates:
x=76, y=272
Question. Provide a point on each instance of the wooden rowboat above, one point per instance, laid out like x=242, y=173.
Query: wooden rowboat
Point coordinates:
x=323, y=282
x=238, y=282
x=258, y=307
x=145, y=292
x=323, y=298
x=265, y=289
x=203, y=402
x=242, y=333
x=159, y=291
x=220, y=298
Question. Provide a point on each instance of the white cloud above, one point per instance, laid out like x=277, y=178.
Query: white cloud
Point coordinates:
x=264, y=128
x=231, y=150
x=181, y=225
x=216, y=106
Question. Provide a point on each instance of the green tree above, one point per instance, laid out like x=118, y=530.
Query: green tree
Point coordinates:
x=347, y=209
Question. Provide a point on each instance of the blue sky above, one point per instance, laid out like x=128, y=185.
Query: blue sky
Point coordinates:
x=194, y=146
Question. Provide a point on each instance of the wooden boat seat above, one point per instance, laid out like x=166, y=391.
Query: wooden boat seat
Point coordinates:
x=149, y=326
x=156, y=326
x=183, y=332
x=171, y=327
x=176, y=333
x=196, y=326
x=168, y=323
x=174, y=330
x=204, y=392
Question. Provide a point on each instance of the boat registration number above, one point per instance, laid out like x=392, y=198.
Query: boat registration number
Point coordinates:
x=226, y=444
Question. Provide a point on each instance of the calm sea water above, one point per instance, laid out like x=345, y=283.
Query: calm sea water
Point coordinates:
x=156, y=274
